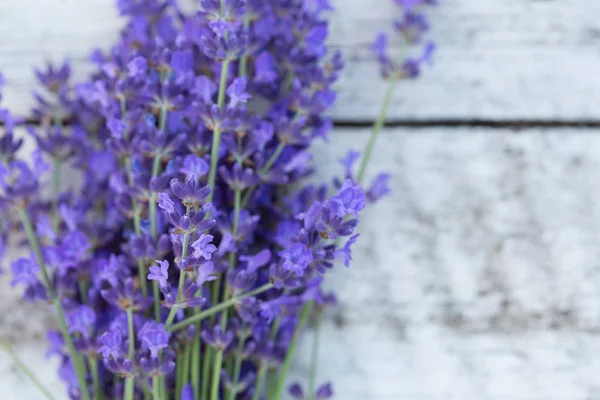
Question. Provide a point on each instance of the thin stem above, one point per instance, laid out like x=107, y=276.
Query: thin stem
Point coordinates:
x=314, y=361
x=264, y=170
x=196, y=362
x=75, y=357
x=218, y=308
x=306, y=309
x=260, y=380
x=377, y=128
x=184, y=248
x=179, y=376
x=262, y=370
x=238, y=364
x=154, y=227
x=152, y=201
x=208, y=356
x=232, y=261
x=236, y=212
x=214, y=154
x=21, y=365
x=55, y=192
x=130, y=380
x=98, y=390
x=273, y=158
x=156, y=392
x=214, y=391
x=186, y=369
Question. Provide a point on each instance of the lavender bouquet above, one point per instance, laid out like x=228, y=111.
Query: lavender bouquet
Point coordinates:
x=184, y=255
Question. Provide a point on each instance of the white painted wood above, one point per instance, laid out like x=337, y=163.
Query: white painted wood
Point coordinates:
x=476, y=280
x=496, y=59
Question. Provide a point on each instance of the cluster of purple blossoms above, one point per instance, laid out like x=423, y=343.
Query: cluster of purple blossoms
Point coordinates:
x=185, y=252
x=412, y=28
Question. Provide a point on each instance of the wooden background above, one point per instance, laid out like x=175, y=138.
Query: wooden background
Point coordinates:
x=478, y=279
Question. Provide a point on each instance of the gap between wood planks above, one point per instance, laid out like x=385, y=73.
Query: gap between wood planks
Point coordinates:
x=513, y=124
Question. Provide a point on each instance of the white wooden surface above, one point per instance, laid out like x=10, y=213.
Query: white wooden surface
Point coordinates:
x=509, y=59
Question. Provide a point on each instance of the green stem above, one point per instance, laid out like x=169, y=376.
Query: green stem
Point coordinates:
x=214, y=154
x=273, y=158
x=218, y=308
x=262, y=370
x=186, y=369
x=184, y=248
x=29, y=373
x=306, y=309
x=312, y=377
x=196, y=362
x=78, y=363
x=238, y=364
x=232, y=260
x=208, y=356
x=156, y=392
x=55, y=192
x=178, y=375
x=137, y=226
x=130, y=380
x=214, y=392
x=377, y=128
x=236, y=213
x=264, y=170
x=154, y=232
x=98, y=390
x=152, y=203
x=260, y=380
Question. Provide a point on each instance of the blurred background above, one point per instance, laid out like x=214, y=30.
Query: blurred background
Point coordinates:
x=478, y=279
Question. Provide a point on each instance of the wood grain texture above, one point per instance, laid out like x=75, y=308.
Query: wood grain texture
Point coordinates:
x=477, y=279
x=513, y=59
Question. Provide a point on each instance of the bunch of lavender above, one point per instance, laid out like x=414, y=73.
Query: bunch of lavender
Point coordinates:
x=185, y=253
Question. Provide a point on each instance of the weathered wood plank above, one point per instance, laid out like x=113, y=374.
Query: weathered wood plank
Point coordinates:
x=517, y=59
x=476, y=280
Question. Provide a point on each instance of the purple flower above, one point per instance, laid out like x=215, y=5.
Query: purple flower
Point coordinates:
x=137, y=67
x=194, y=165
x=253, y=263
x=160, y=273
x=350, y=200
x=296, y=258
x=205, y=89
x=379, y=188
x=24, y=271
x=165, y=202
x=81, y=320
x=238, y=179
x=205, y=273
x=110, y=344
x=348, y=162
x=203, y=247
x=187, y=393
x=116, y=127
x=346, y=252
x=266, y=71
x=324, y=392
x=217, y=338
x=237, y=92
x=154, y=337
x=190, y=194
